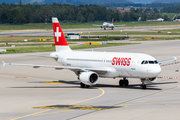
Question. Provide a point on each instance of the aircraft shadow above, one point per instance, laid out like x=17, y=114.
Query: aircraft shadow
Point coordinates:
x=131, y=86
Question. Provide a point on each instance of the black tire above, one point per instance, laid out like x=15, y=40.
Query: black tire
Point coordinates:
x=104, y=28
x=82, y=85
x=126, y=82
x=143, y=87
x=121, y=83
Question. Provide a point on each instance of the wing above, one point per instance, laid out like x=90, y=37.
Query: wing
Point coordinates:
x=119, y=25
x=97, y=70
x=168, y=60
x=97, y=25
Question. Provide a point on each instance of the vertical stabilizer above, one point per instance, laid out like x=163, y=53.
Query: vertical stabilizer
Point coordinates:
x=112, y=20
x=60, y=41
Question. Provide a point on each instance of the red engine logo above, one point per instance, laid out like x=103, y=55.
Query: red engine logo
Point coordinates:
x=121, y=61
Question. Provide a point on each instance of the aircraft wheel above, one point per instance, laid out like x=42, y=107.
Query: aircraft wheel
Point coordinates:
x=143, y=86
x=112, y=28
x=126, y=82
x=104, y=28
x=82, y=85
x=121, y=82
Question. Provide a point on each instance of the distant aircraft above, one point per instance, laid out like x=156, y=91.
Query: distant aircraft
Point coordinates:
x=90, y=65
x=108, y=25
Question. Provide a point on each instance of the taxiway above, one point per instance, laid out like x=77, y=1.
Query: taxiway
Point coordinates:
x=45, y=93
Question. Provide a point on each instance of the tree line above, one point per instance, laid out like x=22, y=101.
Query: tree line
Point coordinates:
x=33, y=13
x=171, y=9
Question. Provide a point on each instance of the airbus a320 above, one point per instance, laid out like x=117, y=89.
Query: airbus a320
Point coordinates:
x=90, y=65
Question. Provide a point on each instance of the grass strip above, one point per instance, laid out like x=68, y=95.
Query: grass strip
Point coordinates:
x=129, y=33
x=9, y=45
x=155, y=38
x=42, y=26
x=52, y=48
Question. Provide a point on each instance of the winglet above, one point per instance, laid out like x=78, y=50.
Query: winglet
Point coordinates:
x=175, y=58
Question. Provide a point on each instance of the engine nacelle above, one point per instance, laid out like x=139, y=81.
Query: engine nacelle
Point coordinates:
x=89, y=78
x=149, y=80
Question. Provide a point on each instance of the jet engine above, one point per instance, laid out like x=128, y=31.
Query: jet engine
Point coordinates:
x=149, y=80
x=89, y=78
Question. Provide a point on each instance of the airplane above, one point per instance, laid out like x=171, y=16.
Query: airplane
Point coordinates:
x=108, y=25
x=90, y=65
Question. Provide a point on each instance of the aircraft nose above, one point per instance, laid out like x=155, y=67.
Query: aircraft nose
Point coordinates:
x=156, y=70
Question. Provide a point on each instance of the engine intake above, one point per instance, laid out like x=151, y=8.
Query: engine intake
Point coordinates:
x=149, y=80
x=89, y=78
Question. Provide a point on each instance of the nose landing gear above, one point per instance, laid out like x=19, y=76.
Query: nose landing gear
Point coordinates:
x=143, y=86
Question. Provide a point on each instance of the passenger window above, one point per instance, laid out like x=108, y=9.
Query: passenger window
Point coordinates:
x=142, y=62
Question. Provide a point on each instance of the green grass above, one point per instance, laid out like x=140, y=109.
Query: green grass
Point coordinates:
x=51, y=48
x=170, y=15
x=46, y=44
x=129, y=33
x=100, y=39
x=21, y=39
x=158, y=38
x=42, y=26
x=170, y=30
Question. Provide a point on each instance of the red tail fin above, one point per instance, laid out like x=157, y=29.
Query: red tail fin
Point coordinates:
x=60, y=40
x=58, y=33
x=112, y=20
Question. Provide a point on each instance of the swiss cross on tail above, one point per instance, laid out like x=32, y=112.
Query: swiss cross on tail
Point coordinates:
x=58, y=33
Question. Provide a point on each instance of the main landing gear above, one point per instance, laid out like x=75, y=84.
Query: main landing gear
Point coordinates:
x=143, y=86
x=84, y=85
x=123, y=82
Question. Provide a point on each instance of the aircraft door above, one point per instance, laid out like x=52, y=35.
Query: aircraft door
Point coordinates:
x=103, y=63
x=134, y=65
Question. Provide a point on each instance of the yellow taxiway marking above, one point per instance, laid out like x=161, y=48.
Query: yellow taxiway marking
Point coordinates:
x=37, y=113
x=51, y=112
x=21, y=77
x=52, y=82
x=30, y=115
x=79, y=107
x=90, y=98
x=171, y=92
x=24, y=77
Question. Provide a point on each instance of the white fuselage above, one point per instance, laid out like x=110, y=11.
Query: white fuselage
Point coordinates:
x=118, y=64
x=105, y=24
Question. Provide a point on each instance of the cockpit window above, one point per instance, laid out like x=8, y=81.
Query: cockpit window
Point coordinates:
x=155, y=62
x=149, y=62
x=146, y=62
x=142, y=62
